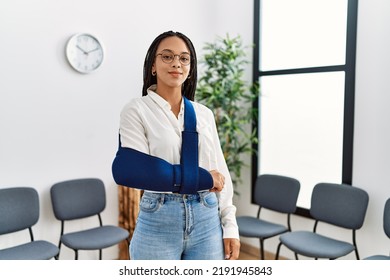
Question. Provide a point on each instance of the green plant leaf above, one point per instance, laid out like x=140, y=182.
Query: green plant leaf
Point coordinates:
x=222, y=88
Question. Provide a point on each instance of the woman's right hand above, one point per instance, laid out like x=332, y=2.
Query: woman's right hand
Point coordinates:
x=218, y=181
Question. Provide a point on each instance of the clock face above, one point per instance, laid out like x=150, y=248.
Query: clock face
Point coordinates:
x=84, y=53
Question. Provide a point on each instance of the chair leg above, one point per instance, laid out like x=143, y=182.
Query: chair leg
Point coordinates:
x=354, y=244
x=357, y=254
x=261, y=249
x=278, y=250
x=59, y=250
x=100, y=254
x=76, y=254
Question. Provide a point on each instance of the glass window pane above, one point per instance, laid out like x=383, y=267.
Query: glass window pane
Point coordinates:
x=301, y=128
x=302, y=33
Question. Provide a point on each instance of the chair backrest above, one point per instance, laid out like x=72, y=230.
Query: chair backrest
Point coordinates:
x=278, y=193
x=19, y=209
x=386, y=218
x=339, y=204
x=79, y=198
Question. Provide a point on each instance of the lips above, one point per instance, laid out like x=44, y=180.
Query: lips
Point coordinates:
x=175, y=74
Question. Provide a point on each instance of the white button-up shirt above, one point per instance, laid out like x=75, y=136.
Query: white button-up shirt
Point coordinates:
x=148, y=125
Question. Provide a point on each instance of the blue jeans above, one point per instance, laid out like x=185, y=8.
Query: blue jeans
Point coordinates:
x=178, y=227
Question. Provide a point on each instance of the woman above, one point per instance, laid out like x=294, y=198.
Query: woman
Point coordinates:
x=175, y=223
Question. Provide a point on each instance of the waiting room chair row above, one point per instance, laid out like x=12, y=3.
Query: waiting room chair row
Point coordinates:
x=340, y=205
x=71, y=200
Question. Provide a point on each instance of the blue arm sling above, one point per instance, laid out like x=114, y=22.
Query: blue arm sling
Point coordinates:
x=135, y=169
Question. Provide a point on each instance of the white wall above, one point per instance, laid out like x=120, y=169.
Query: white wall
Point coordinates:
x=372, y=130
x=372, y=134
x=56, y=124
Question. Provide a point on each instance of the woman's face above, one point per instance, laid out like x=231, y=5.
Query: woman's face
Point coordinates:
x=172, y=73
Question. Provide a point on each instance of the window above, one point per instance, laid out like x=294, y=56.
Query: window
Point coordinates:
x=304, y=60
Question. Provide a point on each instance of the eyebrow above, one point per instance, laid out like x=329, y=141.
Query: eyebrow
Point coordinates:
x=173, y=51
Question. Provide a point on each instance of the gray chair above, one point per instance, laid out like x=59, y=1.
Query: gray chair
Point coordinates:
x=276, y=193
x=339, y=205
x=386, y=227
x=19, y=210
x=78, y=199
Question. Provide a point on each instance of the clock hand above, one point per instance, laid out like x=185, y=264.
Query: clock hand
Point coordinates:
x=93, y=50
x=86, y=53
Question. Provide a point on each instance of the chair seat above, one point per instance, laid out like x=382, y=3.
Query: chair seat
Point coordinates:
x=378, y=258
x=253, y=227
x=36, y=250
x=95, y=238
x=315, y=245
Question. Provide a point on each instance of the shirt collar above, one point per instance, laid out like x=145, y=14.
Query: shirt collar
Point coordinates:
x=161, y=101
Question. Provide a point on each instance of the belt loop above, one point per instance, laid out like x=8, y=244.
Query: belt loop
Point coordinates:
x=162, y=198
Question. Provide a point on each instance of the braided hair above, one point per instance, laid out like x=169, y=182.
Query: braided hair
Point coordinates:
x=189, y=86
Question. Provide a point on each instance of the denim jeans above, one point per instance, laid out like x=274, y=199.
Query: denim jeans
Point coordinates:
x=174, y=227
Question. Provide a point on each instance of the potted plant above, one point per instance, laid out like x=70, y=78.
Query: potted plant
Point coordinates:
x=222, y=88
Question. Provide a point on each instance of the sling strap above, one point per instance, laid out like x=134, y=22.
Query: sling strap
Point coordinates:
x=189, y=150
x=135, y=169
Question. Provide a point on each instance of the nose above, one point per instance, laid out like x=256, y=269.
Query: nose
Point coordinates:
x=176, y=62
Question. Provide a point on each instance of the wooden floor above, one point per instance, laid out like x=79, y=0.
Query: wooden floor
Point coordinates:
x=247, y=256
x=249, y=252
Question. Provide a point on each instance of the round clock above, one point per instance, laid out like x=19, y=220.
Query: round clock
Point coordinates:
x=84, y=52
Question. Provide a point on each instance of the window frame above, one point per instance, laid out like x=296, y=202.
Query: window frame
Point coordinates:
x=349, y=91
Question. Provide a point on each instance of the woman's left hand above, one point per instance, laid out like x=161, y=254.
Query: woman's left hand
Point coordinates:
x=218, y=181
x=232, y=248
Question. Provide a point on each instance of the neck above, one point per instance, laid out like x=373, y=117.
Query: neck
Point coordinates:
x=173, y=96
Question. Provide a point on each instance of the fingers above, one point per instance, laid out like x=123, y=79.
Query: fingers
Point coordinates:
x=227, y=248
x=218, y=180
x=232, y=248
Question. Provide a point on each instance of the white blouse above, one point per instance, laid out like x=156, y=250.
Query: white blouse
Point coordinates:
x=148, y=125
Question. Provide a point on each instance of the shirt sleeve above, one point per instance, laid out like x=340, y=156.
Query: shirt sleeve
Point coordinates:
x=132, y=132
x=225, y=197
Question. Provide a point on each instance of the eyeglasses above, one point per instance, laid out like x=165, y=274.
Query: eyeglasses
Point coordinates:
x=169, y=57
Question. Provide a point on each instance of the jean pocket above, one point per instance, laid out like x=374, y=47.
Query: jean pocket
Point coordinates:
x=209, y=200
x=149, y=204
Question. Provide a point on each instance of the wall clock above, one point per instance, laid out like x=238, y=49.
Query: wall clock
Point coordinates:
x=84, y=52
